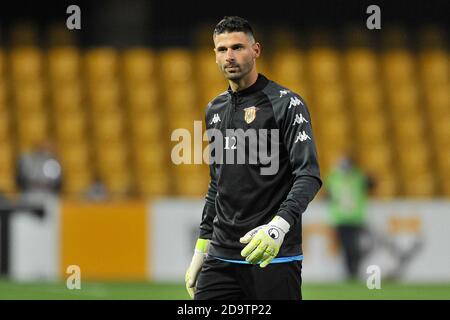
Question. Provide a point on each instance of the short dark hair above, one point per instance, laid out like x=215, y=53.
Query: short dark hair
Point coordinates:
x=233, y=24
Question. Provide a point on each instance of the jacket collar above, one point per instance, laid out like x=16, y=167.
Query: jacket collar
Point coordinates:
x=259, y=84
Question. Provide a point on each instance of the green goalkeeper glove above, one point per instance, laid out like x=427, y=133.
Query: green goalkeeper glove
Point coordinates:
x=264, y=242
x=200, y=252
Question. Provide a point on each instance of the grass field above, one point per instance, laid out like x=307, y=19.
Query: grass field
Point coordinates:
x=169, y=291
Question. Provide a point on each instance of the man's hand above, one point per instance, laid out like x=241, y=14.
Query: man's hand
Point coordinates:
x=200, y=252
x=264, y=242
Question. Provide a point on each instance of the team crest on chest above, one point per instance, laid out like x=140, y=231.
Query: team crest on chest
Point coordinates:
x=250, y=114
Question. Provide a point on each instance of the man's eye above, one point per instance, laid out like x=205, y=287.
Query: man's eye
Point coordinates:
x=221, y=50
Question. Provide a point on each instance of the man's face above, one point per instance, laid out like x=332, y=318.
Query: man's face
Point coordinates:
x=235, y=54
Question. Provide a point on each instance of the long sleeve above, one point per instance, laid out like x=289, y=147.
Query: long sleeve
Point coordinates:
x=209, y=210
x=296, y=131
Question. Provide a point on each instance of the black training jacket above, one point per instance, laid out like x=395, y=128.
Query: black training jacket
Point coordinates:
x=239, y=196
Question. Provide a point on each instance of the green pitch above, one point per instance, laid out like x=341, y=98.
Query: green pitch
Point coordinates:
x=168, y=291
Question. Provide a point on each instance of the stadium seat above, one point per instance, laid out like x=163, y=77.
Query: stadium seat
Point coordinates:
x=361, y=67
x=108, y=127
x=29, y=97
x=176, y=66
x=26, y=64
x=143, y=97
x=398, y=67
x=101, y=65
x=434, y=67
x=153, y=184
x=324, y=66
x=146, y=127
x=139, y=65
x=5, y=133
x=70, y=127
x=64, y=65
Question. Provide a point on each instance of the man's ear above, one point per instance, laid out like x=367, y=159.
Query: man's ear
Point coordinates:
x=256, y=50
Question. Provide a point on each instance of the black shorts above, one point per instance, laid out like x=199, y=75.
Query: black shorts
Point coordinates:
x=221, y=280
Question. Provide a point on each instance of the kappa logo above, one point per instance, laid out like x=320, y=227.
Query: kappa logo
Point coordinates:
x=302, y=136
x=299, y=119
x=283, y=92
x=295, y=102
x=215, y=119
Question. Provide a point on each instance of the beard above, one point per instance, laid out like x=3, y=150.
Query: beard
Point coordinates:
x=236, y=71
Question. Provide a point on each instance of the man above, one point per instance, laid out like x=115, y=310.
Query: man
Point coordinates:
x=250, y=235
x=347, y=188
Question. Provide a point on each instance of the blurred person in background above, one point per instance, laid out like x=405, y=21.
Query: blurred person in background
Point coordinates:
x=346, y=189
x=39, y=172
x=97, y=191
x=250, y=235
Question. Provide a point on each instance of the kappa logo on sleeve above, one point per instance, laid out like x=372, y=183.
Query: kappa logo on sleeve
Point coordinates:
x=215, y=119
x=283, y=92
x=302, y=136
x=299, y=119
x=295, y=102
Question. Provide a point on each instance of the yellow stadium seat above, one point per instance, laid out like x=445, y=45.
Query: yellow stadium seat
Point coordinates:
x=419, y=186
x=361, y=67
x=434, y=67
x=376, y=158
x=6, y=156
x=101, y=65
x=67, y=99
x=31, y=129
x=150, y=157
x=367, y=100
x=139, y=65
x=146, y=127
x=108, y=127
x=207, y=71
x=2, y=63
x=153, y=184
x=403, y=100
x=176, y=66
x=75, y=157
x=30, y=97
x=290, y=67
x=26, y=64
x=144, y=97
x=118, y=184
x=398, y=67
x=440, y=129
x=410, y=128
x=328, y=100
x=113, y=156
x=3, y=94
x=437, y=101
x=105, y=97
x=64, y=65
x=5, y=121
x=182, y=99
x=414, y=159
x=71, y=127
x=371, y=129
x=77, y=182
x=324, y=65
x=386, y=186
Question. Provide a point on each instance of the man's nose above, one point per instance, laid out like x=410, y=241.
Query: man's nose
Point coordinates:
x=230, y=55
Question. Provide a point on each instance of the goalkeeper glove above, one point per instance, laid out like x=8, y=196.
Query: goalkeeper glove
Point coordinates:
x=264, y=242
x=200, y=252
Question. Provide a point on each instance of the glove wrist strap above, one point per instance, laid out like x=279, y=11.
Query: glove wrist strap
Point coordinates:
x=280, y=223
x=201, y=245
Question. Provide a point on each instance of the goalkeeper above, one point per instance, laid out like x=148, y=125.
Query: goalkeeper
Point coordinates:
x=249, y=245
